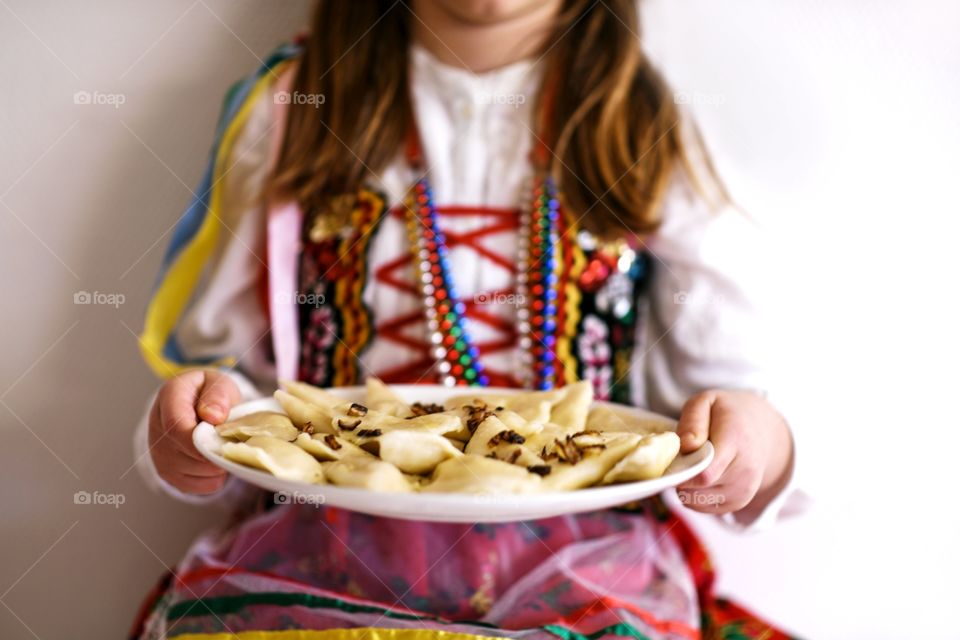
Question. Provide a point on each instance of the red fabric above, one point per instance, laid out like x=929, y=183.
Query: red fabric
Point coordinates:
x=721, y=618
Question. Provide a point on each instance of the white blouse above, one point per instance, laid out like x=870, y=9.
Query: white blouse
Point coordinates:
x=702, y=327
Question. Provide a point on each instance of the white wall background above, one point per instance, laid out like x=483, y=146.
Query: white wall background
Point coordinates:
x=839, y=129
x=835, y=123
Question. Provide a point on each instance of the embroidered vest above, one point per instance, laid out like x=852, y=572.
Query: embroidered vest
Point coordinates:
x=603, y=285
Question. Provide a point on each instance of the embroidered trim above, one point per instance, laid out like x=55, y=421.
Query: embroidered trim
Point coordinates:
x=225, y=605
x=348, y=294
x=356, y=633
x=569, y=293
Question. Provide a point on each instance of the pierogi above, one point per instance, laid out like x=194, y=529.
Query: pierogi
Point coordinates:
x=473, y=443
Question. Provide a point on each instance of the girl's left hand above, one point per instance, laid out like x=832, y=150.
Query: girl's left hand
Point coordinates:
x=753, y=452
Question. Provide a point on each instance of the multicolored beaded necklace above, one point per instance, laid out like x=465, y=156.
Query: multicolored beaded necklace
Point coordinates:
x=539, y=282
x=456, y=352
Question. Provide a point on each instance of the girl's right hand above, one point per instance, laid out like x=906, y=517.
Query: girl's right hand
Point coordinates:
x=181, y=404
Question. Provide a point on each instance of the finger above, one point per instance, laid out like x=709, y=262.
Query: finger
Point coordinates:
x=724, y=455
x=155, y=430
x=180, y=435
x=180, y=462
x=195, y=485
x=740, y=484
x=694, y=424
x=217, y=397
x=735, y=490
x=178, y=416
x=179, y=443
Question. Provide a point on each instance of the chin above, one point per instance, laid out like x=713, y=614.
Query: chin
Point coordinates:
x=490, y=11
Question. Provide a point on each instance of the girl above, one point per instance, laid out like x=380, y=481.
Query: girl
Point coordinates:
x=485, y=193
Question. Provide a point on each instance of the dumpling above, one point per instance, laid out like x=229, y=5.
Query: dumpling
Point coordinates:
x=311, y=394
x=367, y=473
x=532, y=406
x=513, y=420
x=604, y=418
x=473, y=443
x=306, y=415
x=545, y=438
x=480, y=475
x=414, y=452
x=585, y=462
x=381, y=398
x=357, y=421
x=571, y=408
x=649, y=459
x=566, y=406
x=326, y=447
x=285, y=460
x=470, y=416
x=441, y=423
x=261, y=423
x=519, y=455
x=416, y=482
x=500, y=427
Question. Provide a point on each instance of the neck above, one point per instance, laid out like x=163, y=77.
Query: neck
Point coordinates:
x=469, y=39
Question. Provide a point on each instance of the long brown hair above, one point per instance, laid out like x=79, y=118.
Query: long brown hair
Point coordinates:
x=613, y=155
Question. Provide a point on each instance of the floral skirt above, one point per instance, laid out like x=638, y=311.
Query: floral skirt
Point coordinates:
x=316, y=573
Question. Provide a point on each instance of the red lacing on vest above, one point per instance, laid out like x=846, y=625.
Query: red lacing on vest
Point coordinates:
x=395, y=274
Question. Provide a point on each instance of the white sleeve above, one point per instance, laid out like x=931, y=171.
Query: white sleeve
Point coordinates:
x=227, y=316
x=713, y=276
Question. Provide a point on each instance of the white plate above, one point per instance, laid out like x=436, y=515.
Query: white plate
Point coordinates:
x=449, y=507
